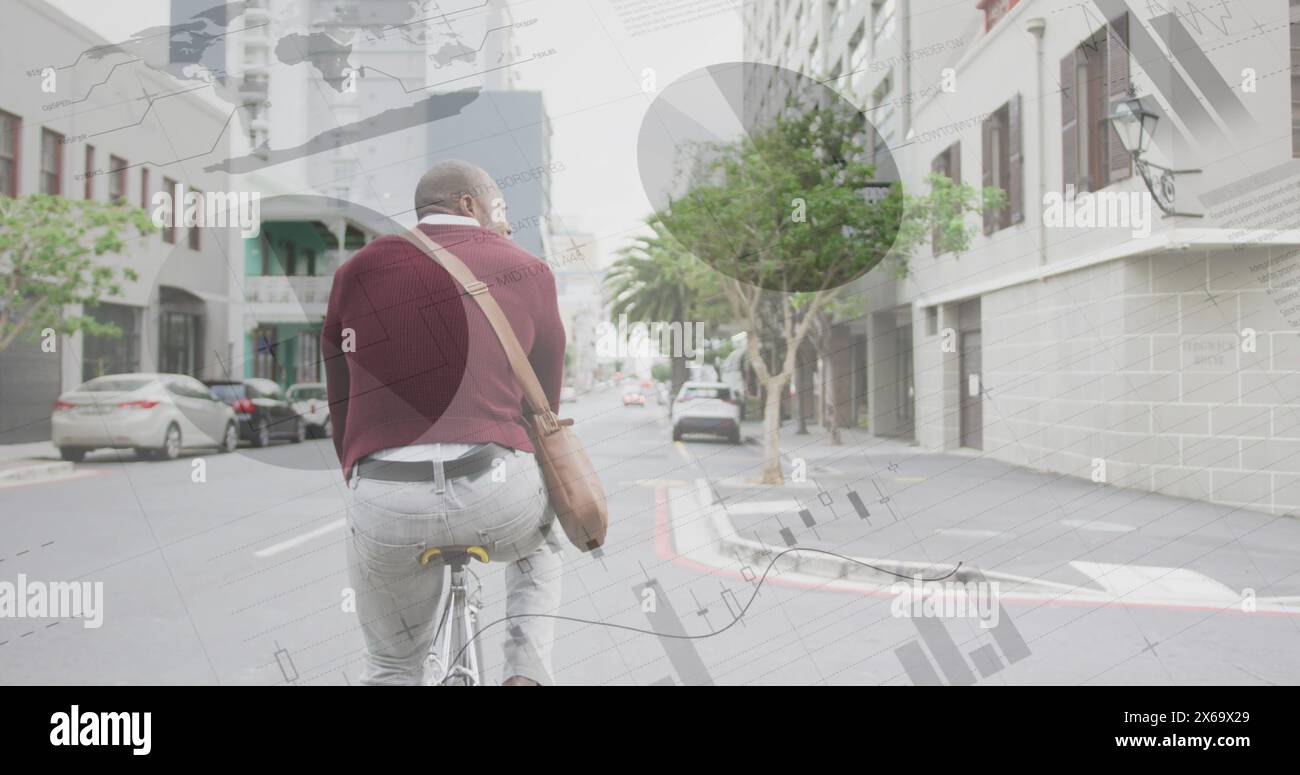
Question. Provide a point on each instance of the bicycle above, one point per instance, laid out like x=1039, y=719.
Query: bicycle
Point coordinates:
x=456, y=637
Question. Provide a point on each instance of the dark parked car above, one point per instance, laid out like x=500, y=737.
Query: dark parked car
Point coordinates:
x=261, y=409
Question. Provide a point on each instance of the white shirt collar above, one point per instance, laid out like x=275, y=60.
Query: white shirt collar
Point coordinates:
x=446, y=219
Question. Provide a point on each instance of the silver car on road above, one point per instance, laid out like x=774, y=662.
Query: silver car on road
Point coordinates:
x=157, y=415
x=311, y=402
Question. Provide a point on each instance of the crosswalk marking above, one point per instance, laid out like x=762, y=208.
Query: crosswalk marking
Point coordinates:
x=1156, y=582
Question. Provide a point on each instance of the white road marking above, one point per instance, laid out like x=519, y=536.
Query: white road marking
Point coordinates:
x=965, y=532
x=283, y=546
x=1098, y=525
x=761, y=507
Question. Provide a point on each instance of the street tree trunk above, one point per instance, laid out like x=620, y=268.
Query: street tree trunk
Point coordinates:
x=678, y=374
x=774, y=384
x=831, y=416
x=775, y=387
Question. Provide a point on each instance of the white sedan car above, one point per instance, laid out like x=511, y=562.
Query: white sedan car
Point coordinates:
x=311, y=402
x=157, y=415
x=706, y=407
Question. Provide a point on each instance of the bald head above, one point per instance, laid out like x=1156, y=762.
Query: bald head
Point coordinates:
x=457, y=187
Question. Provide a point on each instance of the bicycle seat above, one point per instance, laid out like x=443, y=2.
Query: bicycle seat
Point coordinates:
x=454, y=555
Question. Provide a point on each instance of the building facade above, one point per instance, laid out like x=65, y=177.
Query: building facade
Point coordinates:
x=104, y=130
x=578, y=266
x=883, y=56
x=1154, y=353
x=288, y=271
x=1088, y=330
x=316, y=84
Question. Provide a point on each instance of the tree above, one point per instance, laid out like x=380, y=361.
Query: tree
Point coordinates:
x=656, y=279
x=785, y=217
x=48, y=251
x=847, y=306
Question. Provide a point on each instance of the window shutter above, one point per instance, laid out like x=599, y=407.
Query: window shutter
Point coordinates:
x=1120, y=164
x=991, y=217
x=1069, y=124
x=1098, y=102
x=1015, y=162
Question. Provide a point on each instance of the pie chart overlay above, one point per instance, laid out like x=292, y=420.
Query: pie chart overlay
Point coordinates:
x=723, y=104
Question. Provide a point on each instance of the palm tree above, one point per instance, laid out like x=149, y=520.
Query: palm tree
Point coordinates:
x=656, y=279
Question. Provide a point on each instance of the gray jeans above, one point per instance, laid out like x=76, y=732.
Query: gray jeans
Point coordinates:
x=504, y=510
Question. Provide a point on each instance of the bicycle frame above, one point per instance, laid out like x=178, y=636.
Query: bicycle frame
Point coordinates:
x=457, y=627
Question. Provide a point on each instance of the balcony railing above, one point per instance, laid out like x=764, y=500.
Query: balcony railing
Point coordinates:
x=288, y=290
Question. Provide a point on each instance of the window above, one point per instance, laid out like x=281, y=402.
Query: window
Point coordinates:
x=882, y=116
x=307, y=369
x=307, y=393
x=229, y=392
x=1094, y=78
x=856, y=56
x=1295, y=78
x=689, y=392
x=290, y=259
x=114, y=384
x=51, y=162
x=116, y=179
x=193, y=231
x=90, y=172
x=947, y=164
x=994, y=10
x=1081, y=103
x=144, y=187
x=311, y=263
x=1003, y=167
x=179, y=342
x=9, y=126
x=169, y=228
x=264, y=353
x=932, y=321
x=882, y=19
x=113, y=354
x=265, y=245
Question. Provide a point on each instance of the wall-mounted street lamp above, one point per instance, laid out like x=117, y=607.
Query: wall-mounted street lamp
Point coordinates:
x=1135, y=126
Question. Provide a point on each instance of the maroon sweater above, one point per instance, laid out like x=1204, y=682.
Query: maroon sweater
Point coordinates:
x=411, y=359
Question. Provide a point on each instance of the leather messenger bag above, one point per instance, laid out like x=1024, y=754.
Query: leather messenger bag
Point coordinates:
x=572, y=486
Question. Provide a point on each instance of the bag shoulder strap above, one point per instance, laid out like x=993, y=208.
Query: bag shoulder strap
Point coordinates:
x=523, y=369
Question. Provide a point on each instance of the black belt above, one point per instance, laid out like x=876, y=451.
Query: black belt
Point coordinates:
x=418, y=471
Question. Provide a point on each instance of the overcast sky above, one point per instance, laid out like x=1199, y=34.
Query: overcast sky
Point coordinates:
x=592, y=86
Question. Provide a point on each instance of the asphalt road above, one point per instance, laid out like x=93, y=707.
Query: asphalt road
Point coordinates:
x=240, y=580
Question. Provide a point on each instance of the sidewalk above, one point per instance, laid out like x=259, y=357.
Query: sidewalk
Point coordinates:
x=883, y=498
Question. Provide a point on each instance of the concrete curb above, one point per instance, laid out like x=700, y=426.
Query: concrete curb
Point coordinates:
x=26, y=471
x=865, y=570
x=706, y=536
